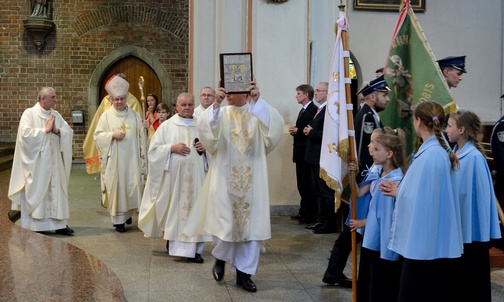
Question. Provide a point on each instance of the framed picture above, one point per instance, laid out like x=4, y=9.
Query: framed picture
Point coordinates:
x=236, y=71
x=388, y=5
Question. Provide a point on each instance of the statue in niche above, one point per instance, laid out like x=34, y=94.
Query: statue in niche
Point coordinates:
x=41, y=9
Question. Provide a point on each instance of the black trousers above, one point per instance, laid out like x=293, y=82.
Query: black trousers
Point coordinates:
x=308, y=206
x=325, y=198
x=340, y=252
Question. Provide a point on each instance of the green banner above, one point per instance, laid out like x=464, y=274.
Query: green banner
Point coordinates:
x=413, y=75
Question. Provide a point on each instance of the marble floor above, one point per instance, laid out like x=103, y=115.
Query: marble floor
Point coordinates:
x=290, y=269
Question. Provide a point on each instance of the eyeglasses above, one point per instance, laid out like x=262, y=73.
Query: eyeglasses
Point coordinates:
x=207, y=95
x=320, y=90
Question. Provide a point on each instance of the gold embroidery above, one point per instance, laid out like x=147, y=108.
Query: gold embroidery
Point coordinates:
x=124, y=127
x=241, y=172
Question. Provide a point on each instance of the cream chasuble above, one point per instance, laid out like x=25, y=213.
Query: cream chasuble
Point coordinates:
x=173, y=183
x=41, y=171
x=91, y=157
x=235, y=192
x=123, y=164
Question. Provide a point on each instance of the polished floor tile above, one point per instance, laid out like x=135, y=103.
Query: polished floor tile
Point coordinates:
x=290, y=269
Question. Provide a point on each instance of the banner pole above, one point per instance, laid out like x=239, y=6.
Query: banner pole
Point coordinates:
x=351, y=142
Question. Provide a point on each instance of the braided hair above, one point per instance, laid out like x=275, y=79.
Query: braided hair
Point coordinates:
x=432, y=115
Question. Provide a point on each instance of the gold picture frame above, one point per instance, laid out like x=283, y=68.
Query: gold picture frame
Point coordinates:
x=388, y=5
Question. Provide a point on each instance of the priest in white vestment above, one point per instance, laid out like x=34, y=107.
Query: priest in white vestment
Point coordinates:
x=41, y=167
x=91, y=158
x=235, y=191
x=206, y=98
x=119, y=136
x=176, y=174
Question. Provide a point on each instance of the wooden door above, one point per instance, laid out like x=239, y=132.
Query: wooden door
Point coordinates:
x=133, y=67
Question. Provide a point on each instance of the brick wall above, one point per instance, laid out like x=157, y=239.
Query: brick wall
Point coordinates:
x=86, y=31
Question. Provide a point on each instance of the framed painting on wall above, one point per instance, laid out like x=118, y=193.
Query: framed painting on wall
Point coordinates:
x=388, y=5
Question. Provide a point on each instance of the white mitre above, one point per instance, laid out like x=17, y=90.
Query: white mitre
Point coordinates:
x=117, y=86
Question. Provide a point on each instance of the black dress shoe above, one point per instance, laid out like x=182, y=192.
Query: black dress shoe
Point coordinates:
x=65, y=231
x=14, y=215
x=243, y=280
x=314, y=226
x=129, y=221
x=197, y=259
x=218, y=269
x=324, y=230
x=307, y=221
x=342, y=280
x=120, y=228
x=247, y=284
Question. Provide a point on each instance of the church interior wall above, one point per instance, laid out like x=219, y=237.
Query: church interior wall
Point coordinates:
x=280, y=42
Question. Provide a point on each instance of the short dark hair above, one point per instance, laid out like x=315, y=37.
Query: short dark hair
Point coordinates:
x=163, y=106
x=379, y=70
x=305, y=88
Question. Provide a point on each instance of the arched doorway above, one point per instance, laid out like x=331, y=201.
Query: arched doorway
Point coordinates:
x=107, y=67
x=133, y=67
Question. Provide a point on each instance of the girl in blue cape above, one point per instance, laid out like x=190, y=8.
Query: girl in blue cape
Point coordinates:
x=379, y=281
x=426, y=229
x=478, y=206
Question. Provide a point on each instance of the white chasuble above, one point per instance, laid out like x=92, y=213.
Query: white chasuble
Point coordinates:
x=123, y=164
x=235, y=190
x=173, y=183
x=41, y=171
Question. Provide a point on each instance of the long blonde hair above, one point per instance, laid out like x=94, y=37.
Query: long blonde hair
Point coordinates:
x=472, y=126
x=393, y=140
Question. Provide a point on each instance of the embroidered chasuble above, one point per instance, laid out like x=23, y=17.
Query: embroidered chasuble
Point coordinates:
x=123, y=164
x=235, y=192
x=91, y=157
x=173, y=182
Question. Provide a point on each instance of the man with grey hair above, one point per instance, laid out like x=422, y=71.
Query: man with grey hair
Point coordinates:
x=176, y=174
x=206, y=97
x=41, y=168
x=119, y=136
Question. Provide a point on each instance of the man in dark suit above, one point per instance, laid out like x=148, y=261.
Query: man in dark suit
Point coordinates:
x=325, y=195
x=375, y=95
x=308, y=204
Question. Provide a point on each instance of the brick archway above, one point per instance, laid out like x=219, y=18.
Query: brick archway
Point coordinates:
x=114, y=56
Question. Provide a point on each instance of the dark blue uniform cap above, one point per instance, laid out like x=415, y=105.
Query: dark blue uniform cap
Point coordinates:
x=455, y=62
x=378, y=84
